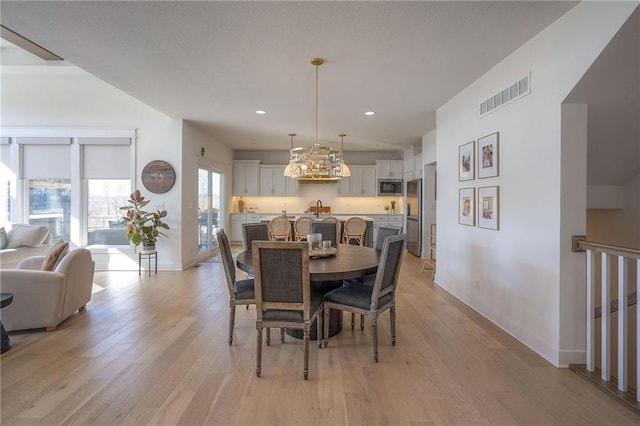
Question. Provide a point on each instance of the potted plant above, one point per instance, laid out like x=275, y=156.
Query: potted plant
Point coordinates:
x=143, y=227
x=393, y=206
x=386, y=208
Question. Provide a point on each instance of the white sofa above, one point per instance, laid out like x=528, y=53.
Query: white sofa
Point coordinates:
x=23, y=241
x=46, y=298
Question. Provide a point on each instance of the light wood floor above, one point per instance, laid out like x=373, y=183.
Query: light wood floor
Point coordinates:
x=153, y=350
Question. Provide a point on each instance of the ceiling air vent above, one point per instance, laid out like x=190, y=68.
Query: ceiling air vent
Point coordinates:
x=506, y=95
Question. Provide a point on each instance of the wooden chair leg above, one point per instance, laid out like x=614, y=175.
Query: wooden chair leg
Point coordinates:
x=374, y=337
x=268, y=336
x=326, y=325
x=319, y=330
x=259, y=351
x=392, y=315
x=353, y=320
x=282, y=335
x=361, y=322
x=232, y=320
x=305, y=372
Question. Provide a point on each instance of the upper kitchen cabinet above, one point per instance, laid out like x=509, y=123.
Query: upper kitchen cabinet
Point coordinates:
x=291, y=186
x=272, y=181
x=389, y=169
x=362, y=182
x=417, y=166
x=344, y=185
x=246, y=177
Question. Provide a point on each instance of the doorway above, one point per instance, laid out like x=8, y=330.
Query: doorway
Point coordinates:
x=209, y=209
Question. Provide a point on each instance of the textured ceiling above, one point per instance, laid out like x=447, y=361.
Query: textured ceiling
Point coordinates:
x=216, y=63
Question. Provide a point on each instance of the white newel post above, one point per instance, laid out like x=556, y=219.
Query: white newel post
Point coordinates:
x=591, y=310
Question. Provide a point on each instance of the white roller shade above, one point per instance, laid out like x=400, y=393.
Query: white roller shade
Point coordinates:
x=106, y=161
x=46, y=162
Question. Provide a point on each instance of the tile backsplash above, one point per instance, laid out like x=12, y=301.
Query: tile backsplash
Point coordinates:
x=327, y=193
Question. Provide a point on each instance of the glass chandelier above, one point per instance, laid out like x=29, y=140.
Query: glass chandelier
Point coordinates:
x=316, y=163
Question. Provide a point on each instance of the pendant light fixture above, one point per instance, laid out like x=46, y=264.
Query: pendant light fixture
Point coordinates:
x=316, y=163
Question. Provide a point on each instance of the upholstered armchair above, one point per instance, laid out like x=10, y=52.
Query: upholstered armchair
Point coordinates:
x=46, y=298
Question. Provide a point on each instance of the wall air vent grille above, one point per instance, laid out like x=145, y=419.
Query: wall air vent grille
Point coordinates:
x=507, y=95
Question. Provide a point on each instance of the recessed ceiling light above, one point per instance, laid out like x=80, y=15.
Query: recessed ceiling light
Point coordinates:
x=369, y=113
x=261, y=112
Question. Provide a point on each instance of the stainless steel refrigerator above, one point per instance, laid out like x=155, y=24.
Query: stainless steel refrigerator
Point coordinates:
x=414, y=216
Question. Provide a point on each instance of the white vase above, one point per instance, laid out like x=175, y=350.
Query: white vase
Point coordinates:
x=149, y=247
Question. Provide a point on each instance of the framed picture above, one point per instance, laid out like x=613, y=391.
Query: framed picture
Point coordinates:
x=488, y=207
x=466, y=161
x=466, y=208
x=488, y=156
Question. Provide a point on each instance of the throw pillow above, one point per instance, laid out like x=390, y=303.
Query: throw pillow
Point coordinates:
x=26, y=236
x=3, y=239
x=55, y=255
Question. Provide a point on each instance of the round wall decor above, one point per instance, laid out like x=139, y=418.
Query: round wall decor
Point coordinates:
x=158, y=176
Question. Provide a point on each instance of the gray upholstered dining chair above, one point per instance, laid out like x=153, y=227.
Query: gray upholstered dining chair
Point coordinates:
x=327, y=229
x=241, y=292
x=254, y=231
x=283, y=295
x=372, y=301
x=338, y=226
x=383, y=233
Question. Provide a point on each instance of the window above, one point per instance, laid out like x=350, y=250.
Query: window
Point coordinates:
x=104, y=199
x=50, y=206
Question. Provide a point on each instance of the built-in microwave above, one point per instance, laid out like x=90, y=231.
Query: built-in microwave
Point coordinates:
x=389, y=187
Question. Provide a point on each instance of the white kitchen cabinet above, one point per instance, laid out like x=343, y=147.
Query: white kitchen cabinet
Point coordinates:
x=343, y=186
x=389, y=169
x=362, y=181
x=417, y=166
x=246, y=176
x=291, y=186
x=237, y=219
x=272, y=181
x=254, y=218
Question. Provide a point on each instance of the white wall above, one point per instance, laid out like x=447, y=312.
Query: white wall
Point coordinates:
x=218, y=157
x=512, y=276
x=429, y=211
x=65, y=96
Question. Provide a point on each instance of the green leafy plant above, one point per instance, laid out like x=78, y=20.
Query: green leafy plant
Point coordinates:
x=143, y=227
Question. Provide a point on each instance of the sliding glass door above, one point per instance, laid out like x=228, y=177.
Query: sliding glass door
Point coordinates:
x=210, y=215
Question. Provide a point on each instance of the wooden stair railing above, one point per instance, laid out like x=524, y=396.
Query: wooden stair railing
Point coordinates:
x=624, y=258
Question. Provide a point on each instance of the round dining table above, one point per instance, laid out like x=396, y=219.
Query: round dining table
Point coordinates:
x=349, y=262
x=327, y=273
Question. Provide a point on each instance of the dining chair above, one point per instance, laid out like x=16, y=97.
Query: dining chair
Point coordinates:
x=254, y=231
x=327, y=229
x=354, y=230
x=280, y=229
x=371, y=301
x=383, y=233
x=240, y=292
x=302, y=227
x=283, y=295
x=338, y=226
